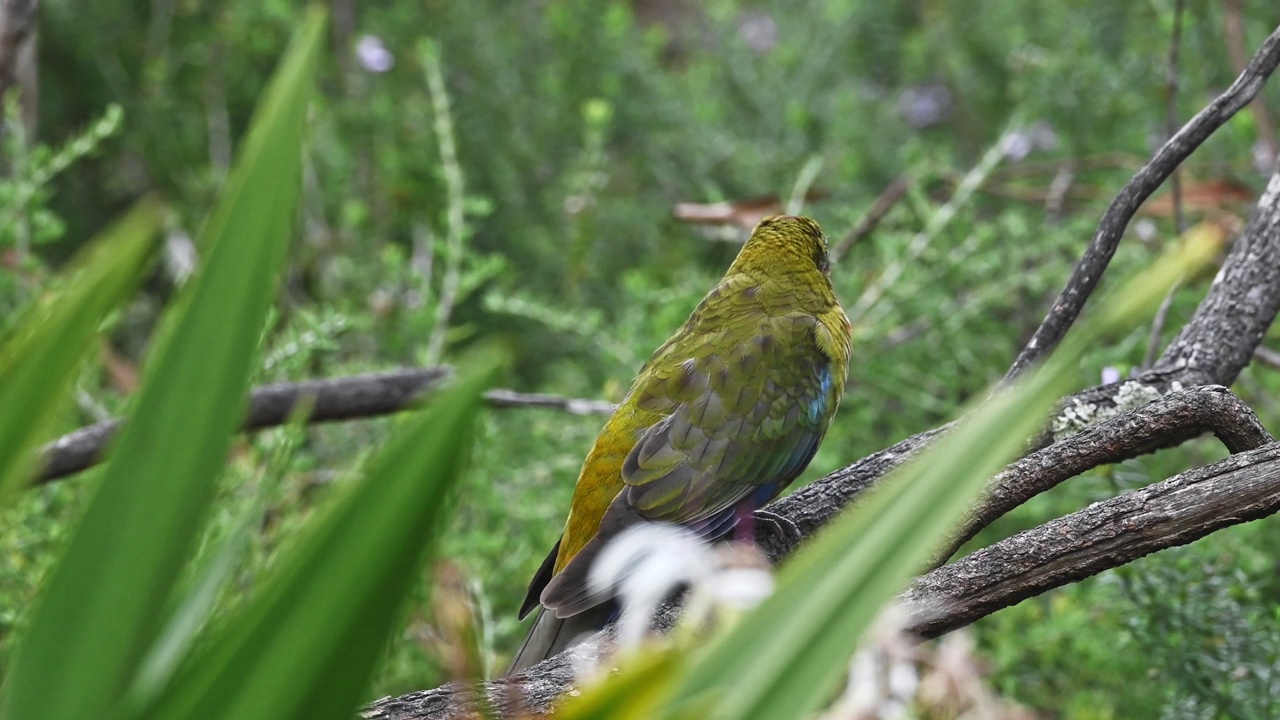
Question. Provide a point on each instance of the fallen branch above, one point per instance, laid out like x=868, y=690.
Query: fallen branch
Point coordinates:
x=344, y=398
x=1084, y=279
x=574, y=406
x=17, y=26
x=880, y=207
x=1266, y=356
x=1219, y=339
x=1164, y=423
x=1105, y=535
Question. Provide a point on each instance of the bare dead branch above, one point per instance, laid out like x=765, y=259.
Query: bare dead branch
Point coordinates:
x=333, y=399
x=574, y=406
x=1084, y=279
x=1164, y=423
x=344, y=398
x=813, y=505
x=1158, y=322
x=1105, y=535
x=1267, y=356
x=1219, y=339
x=867, y=224
x=17, y=24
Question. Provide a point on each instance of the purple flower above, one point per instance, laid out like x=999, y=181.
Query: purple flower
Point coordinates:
x=1110, y=375
x=373, y=55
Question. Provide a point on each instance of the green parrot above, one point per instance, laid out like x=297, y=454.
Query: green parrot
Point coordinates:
x=723, y=416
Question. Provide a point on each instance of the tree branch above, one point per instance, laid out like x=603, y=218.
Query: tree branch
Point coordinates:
x=575, y=406
x=17, y=24
x=1164, y=423
x=344, y=398
x=1102, y=247
x=1219, y=339
x=1105, y=535
x=880, y=207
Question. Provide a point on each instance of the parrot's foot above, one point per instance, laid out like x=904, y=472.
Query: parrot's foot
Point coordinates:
x=775, y=532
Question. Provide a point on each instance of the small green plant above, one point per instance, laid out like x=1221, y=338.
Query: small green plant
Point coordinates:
x=26, y=220
x=120, y=629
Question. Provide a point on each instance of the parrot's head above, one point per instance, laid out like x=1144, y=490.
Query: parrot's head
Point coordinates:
x=784, y=244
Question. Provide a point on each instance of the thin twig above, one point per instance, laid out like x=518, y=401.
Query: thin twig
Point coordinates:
x=1267, y=356
x=804, y=181
x=17, y=23
x=344, y=398
x=866, y=224
x=1101, y=161
x=1102, y=247
x=1157, y=325
x=575, y=406
x=1055, y=198
x=940, y=219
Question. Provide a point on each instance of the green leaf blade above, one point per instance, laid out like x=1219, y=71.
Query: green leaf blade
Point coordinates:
x=37, y=366
x=306, y=646
x=103, y=604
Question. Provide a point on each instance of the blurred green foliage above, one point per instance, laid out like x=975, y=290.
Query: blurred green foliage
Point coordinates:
x=577, y=126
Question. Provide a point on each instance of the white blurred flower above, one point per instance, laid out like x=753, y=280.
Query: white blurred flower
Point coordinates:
x=1110, y=375
x=1145, y=229
x=893, y=675
x=759, y=31
x=373, y=55
x=925, y=105
x=643, y=565
x=180, y=256
x=647, y=563
x=1264, y=160
x=1017, y=145
x=1020, y=143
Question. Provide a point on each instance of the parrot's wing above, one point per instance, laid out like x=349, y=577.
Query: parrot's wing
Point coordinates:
x=762, y=409
x=745, y=418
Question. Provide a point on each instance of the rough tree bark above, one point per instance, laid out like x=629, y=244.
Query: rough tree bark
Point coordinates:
x=332, y=399
x=1093, y=263
x=1210, y=350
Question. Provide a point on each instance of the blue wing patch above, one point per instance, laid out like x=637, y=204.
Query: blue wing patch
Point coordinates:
x=819, y=405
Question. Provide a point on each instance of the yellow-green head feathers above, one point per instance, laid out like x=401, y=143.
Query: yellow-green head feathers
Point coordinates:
x=784, y=244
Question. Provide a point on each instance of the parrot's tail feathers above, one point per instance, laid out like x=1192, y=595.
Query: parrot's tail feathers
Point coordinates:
x=551, y=635
x=539, y=581
x=569, y=593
